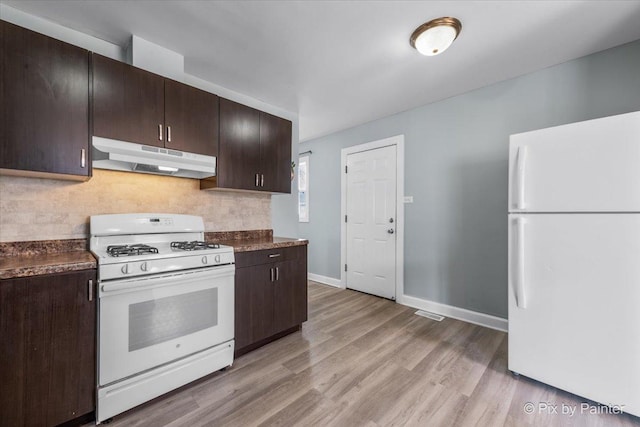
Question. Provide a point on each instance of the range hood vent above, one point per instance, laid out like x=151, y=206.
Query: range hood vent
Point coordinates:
x=130, y=157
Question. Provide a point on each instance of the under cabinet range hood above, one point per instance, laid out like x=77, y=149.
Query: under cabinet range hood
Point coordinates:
x=130, y=157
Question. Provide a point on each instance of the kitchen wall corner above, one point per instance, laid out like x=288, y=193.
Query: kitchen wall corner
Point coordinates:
x=43, y=209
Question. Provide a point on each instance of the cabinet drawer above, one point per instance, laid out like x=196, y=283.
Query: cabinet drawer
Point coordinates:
x=246, y=259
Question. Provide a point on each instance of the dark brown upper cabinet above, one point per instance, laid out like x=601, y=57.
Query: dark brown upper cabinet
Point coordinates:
x=191, y=117
x=254, y=151
x=134, y=105
x=128, y=103
x=44, y=113
x=239, y=150
x=275, y=153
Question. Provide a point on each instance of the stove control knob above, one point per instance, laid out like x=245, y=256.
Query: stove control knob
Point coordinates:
x=217, y=259
x=125, y=269
x=205, y=260
x=143, y=266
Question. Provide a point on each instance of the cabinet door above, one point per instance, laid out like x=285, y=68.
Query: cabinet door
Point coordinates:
x=290, y=294
x=128, y=103
x=44, y=113
x=191, y=119
x=47, y=350
x=253, y=305
x=275, y=153
x=239, y=150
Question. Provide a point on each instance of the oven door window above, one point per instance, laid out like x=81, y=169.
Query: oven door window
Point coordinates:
x=156, y=321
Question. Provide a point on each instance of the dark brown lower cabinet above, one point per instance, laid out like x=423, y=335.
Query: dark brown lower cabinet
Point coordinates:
x=47, y=349
x=271, y=295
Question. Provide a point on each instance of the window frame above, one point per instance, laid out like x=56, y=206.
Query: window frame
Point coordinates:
x=304, y=159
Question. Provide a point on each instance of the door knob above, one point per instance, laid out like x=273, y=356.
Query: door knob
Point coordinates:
x=391, y=220
x=390, y=231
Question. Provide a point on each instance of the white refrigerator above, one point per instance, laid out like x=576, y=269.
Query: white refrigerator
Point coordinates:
x=574, y=258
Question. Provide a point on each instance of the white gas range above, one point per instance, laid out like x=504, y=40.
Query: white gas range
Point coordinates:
x=166, y=302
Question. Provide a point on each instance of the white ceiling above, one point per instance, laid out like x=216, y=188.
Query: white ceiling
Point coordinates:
x=342, y=63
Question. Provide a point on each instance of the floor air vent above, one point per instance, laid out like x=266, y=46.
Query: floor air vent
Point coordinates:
x=431, y=316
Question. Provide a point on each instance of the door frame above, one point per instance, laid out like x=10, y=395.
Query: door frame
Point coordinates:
x=398, y=141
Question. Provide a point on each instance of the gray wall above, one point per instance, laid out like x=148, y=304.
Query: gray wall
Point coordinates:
x=456, y=169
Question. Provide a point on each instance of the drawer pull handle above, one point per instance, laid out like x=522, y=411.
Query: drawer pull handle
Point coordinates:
x=274, y=255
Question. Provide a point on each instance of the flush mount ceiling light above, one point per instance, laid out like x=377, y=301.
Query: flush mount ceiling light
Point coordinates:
x=434, y=37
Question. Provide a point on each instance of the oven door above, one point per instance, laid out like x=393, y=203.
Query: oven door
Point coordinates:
x=149, y=321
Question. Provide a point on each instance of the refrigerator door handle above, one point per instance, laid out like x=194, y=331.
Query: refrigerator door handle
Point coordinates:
x=521, y=298
x=520, y=167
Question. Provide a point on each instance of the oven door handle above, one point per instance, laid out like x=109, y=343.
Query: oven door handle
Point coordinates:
x=167, y=280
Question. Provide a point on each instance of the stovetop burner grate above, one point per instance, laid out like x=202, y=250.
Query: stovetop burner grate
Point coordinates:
x=194, y=245
x=130, y=250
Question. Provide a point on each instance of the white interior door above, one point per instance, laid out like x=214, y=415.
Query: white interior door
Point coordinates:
x=371, y=221
x=574, y=320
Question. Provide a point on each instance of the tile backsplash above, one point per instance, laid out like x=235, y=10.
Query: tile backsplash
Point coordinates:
x=44, y=209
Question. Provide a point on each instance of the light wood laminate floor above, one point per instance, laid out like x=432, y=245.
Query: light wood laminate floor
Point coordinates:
x=364, y=361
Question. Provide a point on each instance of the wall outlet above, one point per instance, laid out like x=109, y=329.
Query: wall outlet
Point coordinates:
x=408, y=199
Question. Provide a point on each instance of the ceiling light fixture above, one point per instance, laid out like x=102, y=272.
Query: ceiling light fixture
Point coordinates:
x=434, y=37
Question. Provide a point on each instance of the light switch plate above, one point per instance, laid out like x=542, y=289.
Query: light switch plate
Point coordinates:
x=408, y=199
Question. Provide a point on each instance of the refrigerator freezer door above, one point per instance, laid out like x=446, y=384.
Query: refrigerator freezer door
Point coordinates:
x=580, y=328
x=591, y=166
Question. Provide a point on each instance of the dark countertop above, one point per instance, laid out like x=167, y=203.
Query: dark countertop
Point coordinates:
x=12, y=267
x=24, y=259
x=247, y=245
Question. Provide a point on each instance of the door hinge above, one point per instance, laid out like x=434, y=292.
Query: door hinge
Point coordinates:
x=345, y=169
x=345, y=218
x=345, y=267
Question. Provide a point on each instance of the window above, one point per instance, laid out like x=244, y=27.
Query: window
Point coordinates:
x=303, y=189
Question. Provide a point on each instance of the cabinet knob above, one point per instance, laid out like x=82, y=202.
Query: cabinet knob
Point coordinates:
x=168, y=133
x=261, y=180
x=83, y=158
x=160, y=132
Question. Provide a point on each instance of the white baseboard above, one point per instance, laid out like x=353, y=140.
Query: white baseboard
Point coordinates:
x=463, y=314
x=446, y=310
x=325, y=280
